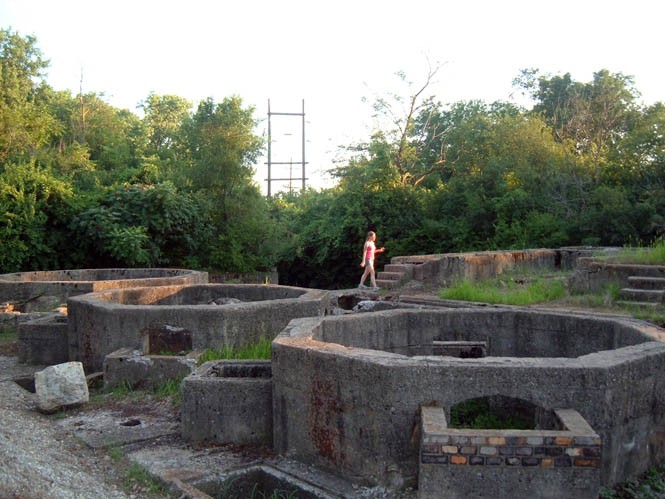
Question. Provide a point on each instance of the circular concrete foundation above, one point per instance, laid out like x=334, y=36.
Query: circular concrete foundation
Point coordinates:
x=34, y=291
x=215, y=314
x=348, y=389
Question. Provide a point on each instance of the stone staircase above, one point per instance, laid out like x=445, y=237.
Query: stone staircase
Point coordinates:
x=394, y=275
x=643, y=291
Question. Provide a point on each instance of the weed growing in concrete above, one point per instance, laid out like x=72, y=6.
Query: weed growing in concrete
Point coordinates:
x=170, y=388
x=259, y=350
x=650, y=484
x=477, y=414
x=137, y=479
x=115, y=453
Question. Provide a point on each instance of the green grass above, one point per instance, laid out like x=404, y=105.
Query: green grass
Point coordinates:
x=137, y=479
x=477, y=414
x=650, y=484
x=507, y=290
x=166, y=389
x=258, y=350
x=653, y=254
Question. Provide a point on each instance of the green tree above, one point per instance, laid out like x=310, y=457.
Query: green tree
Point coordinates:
x=24, y=126
x=142, y=225
x=588, y=117
x=223, y=148
x=33, y=209
x=410, y=146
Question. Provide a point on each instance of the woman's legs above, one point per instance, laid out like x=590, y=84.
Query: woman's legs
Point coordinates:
x=369, y=271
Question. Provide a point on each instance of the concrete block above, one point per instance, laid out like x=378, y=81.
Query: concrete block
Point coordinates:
x=228, y=401
x=43, y=340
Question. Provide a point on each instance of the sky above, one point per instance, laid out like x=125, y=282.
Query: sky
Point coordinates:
x=331, y=59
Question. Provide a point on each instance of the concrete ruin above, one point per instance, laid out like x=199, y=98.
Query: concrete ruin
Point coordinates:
x=546, y=463
x=448, y=268
x=368, y=396
x=103, y=322
x=228, y=401
x=45, y=290
x=353, y=403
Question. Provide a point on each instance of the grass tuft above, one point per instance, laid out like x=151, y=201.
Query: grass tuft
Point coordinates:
x=258, y=350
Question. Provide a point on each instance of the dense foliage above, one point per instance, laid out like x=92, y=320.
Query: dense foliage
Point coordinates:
x=83, y=184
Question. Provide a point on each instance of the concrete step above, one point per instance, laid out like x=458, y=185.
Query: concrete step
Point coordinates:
x=641, y=304
x=642, y=295
x=390, y=276
x=404, y=268
x=645, y=282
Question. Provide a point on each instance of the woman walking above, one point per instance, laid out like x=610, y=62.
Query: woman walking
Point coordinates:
x=369, y=250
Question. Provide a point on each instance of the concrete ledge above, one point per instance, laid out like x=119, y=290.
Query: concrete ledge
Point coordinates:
x=448, y=268
x=457, y=463
x=35, y=290
x=132, y=367
x=228, y=402
x=592, y=274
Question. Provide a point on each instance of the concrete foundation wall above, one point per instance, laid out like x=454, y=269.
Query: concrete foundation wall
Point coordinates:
x=506, y=332
x=448, y=268
x=36, y=288
x=101, y=323
x=228, y=401
x=355, y=411
x=43, y=340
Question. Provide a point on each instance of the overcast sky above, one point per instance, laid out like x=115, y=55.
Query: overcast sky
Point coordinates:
x=333, y=54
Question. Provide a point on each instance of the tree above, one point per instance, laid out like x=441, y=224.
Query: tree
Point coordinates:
x=142, y=225
x=33, y=206
x=589, y=117
x=24, y=126
x=411, y=146
x=163, y=122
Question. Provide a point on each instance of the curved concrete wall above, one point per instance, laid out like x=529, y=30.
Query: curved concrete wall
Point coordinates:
x=354, y=409
x=31, y=287
x=100, y=323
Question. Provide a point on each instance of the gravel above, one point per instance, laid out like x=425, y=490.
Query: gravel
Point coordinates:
x=40, y=459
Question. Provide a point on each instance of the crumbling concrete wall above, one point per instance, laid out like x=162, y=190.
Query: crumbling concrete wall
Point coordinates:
x=448, y=268
x=101, y=323
x=35, y=290
x=131, y=367
x=354, y=410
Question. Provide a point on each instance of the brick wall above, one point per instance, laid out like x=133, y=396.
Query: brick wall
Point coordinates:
x=566, y=461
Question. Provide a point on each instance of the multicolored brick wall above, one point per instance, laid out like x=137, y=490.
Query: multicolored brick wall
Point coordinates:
x=576, y=445
x=504, y=464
